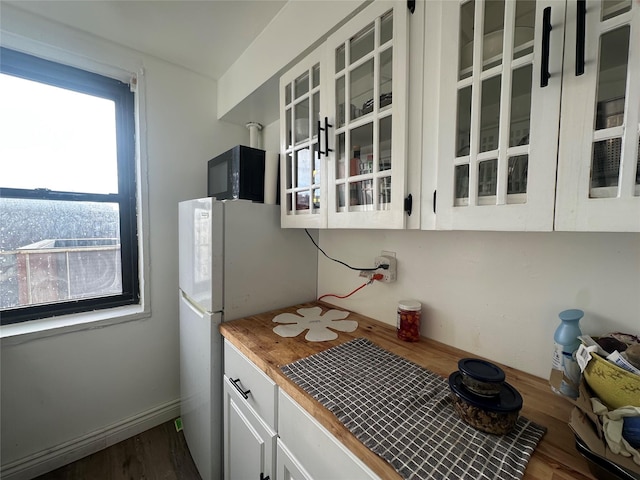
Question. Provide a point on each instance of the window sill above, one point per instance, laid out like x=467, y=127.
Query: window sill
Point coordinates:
x=48, y=327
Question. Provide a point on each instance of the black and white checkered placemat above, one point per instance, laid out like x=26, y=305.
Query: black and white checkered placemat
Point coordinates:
x=404, y=413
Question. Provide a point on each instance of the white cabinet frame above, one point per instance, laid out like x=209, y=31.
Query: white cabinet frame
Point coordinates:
x=327, y=212
x=530, y=211
x=577, y=208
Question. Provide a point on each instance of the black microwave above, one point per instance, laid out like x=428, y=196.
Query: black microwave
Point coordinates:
x=237, y=173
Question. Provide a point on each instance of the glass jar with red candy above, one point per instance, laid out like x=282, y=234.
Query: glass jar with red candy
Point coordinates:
x=408, y=320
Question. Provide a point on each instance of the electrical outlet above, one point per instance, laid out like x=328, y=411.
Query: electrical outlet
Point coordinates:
x=389, y=274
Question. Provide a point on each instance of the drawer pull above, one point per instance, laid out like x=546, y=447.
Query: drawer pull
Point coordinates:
x=236, y=383
x=262, y=477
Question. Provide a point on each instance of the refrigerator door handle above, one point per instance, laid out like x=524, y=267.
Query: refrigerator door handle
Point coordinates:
x=192, y=305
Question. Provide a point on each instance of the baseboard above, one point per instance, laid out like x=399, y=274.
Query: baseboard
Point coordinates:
x=47, y=460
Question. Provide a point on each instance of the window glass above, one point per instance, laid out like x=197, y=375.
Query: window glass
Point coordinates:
x=463, y=132
x=302, y=85
x=302, y=121
x=461, y=183
x=520, y=106
x=493, y=34
x=638, y=169
x=68, y=241
x=340, y=61
x=612, y=78
x=386, y=78
x=361, y=44
x=525, y=28
x=612, y=86
x=467, y=27
x=613, y=8
x=490, y=114
x=518, y=173
x=361, y=88
x=386, y=27
x=55, y=138
x=487, y=178
x=384, y=138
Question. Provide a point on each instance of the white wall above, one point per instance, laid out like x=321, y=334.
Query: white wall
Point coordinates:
x=78, y=387
x=496, y=295
x=271, y=137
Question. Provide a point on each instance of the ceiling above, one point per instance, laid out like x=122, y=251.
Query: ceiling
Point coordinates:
x=205, y=36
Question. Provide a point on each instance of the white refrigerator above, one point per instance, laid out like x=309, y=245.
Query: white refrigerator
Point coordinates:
x=234, y=261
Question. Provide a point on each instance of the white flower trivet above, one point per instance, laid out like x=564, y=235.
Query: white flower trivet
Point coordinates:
x=317, y=323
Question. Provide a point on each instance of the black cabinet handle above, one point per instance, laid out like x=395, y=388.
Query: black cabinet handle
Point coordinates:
x=262, y=477
x=581, y=20
x=326, y=139
x=326, y=136
x=546, y=34
x=320, y=152
x=326, y=128
x=241, y=390
x=408, y=204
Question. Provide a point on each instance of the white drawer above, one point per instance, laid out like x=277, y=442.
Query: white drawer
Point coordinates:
x=260, y=391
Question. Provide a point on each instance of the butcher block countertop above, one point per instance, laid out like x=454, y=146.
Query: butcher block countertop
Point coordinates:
x=554, y=458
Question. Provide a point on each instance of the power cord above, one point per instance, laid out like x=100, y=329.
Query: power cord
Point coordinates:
x=372, y=277
x=341, y=262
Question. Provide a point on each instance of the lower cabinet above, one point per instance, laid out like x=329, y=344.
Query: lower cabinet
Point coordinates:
x=268, y=436
x=288, y=467
x=249, y=443
x=249, y=421
x=312, y=451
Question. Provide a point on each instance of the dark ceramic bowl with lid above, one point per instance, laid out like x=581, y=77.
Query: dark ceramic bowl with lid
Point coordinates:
x=497, y=414
x=481, y=377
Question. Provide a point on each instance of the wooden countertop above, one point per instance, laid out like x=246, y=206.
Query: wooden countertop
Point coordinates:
x=555, y=457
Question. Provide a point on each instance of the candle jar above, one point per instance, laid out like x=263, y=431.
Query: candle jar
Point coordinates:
x=408, y=320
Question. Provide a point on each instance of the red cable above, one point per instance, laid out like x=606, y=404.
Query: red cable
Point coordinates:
x=375, y=277
x=344, y=296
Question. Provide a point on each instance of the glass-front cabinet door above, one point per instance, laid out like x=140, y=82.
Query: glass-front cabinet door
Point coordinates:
x=367, y=64
x=302, y=190
x=599, y=153
x=500, y=100
x=343, y=135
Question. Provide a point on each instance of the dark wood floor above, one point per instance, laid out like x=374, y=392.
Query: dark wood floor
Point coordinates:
x=159, y=453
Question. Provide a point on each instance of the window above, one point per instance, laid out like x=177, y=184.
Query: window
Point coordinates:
x=68, y=227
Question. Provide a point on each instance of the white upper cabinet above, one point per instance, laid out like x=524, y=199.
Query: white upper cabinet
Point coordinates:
x=302, y=189
x=368, y=70
x=500, y=107
x=526, y=141
x=599, y=153
x=344, y=126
